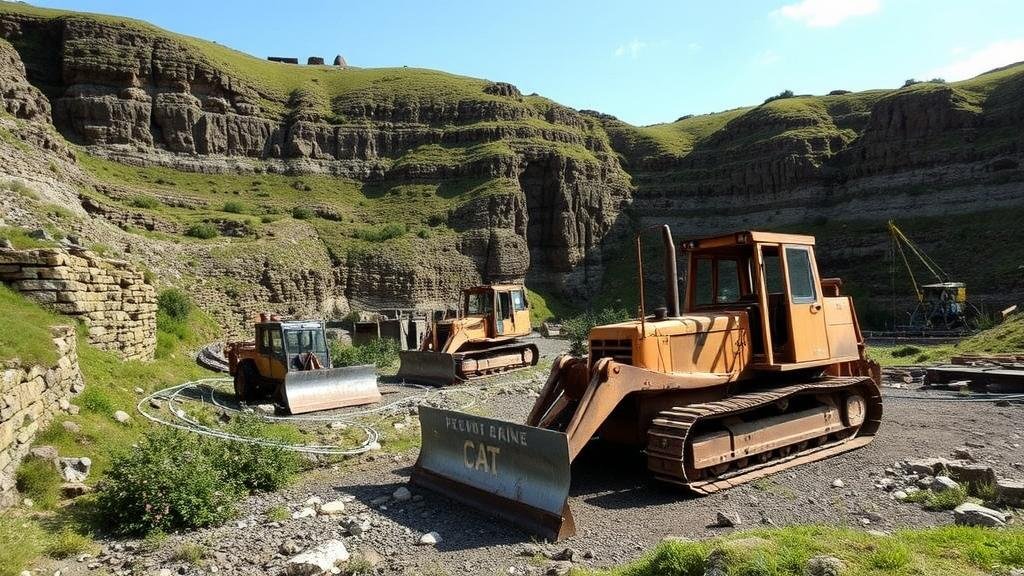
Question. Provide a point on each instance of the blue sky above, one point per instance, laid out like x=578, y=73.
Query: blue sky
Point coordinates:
x=643, y=61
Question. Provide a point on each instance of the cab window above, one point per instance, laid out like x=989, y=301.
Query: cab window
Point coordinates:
x=275, y=341
x=302, y=341
x=800, y=275
x=264, y=341
x=703, y=287
x=728, y=282
x=518, y=301
x=479, y=303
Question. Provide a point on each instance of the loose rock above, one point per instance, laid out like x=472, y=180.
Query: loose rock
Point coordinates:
x=332, y=507
x=825, y=566
x=943, y=483
x=429, y=539
x=728, y=519
x=402, y=494
x=969, y=514
x=122, y=417
x=318, y=560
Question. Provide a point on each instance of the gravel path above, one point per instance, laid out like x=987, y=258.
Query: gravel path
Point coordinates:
x=619, y=511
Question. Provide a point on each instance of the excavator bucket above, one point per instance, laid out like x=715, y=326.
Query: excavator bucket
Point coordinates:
x=311, y=390
x=427, y=367
x=516, y=472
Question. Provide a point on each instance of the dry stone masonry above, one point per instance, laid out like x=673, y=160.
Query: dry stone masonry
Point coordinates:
x=111, y=297
x=30, y=396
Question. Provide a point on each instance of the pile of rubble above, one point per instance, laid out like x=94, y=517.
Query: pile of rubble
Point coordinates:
x=962, y=474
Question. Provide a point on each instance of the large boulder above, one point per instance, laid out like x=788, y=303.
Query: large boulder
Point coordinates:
x=970, y=514
x=318, y=560
x=1010, y=493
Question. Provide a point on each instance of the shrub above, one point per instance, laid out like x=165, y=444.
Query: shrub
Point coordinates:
x=189, y=553
x=146, y=202
x=947, y=499
x=20, y=188
x=202, y=230
x=910, y=82
x=39, y=480
x=780, y=96
x=302, y=213
x=278, y=513
x=380, y=233
x=255, y=468
x=175, y=304
x=938, y=80
x=234, y=207
x=905, y=351
x=167, y=482
x=890, y=555
x=382, y=352
x=682, y=558
x=96, y=400
x=577, y=329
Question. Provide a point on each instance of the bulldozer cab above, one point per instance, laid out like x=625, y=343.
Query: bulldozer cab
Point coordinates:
x=287, y=346
x=504, y=309
x=774, y=279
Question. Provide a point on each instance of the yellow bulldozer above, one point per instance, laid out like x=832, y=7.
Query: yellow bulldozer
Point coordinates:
x=482, y=340
x=760, y=369
x=288, y=363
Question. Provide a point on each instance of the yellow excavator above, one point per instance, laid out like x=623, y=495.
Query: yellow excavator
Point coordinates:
x=760, y=369
x=483, y=339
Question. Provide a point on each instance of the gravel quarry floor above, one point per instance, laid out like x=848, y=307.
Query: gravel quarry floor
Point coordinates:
x=619, y=511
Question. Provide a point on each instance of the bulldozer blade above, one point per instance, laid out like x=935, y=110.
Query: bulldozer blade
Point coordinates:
x=311, y=390
x=425, y=367
x=516, y=472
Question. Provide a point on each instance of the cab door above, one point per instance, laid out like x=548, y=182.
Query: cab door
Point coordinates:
x=808, y=332
x=521, y=312
x=279, y=356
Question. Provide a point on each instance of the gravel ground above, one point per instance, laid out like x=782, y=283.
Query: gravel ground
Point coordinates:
x=619, y=511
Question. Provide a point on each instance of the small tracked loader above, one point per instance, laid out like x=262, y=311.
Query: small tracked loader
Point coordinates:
x=482, y=340
x=762, y=368
x=289, y=363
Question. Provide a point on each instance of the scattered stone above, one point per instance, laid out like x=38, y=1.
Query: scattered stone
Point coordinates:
x=567, y=554
x=825, y=566
x=367, y=556
x=926, y=483
x=122, y=417
x=313, y=502
x=943, y=483
x=927, y=466
x=45, y=453
x=73, y=409
x=402, y=494
x=429, y=539
x=531, y=550
x=728, y=520
x=74, y=489
x=332, y=507
x=380, y=500
x=838, y=483
x=970, y=514
x=973, y=474
x=589, y=555
x=963, y=454
x=164, y=572
x=355, y=526
x=973, y=444
x=267, y=409
x=558, y=568
x=289, y=548
x=71, y=427
x=1010, y=493
x=139, y=390
x=40, y=234
x=899, y=495
x=5, y=243
x=74, y=469
x=319, y=559
x=304, y=513
x=338, y=426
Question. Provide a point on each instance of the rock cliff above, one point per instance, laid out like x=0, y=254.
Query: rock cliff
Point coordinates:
x=404, y=185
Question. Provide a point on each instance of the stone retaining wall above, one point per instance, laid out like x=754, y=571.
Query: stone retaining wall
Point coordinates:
x=111, y=297
x=30, y=396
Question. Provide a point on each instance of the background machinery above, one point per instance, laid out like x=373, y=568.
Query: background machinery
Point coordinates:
x=941, y=305
x=483, y=339
x=288, y=362
x=762, y=368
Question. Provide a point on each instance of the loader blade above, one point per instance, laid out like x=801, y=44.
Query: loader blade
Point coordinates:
x=425, y=367
x=516, y=472
x=311, y=390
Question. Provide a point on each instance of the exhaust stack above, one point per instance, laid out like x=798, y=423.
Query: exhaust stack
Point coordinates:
x=671, y=273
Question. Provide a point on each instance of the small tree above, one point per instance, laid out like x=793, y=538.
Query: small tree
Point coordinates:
x=780, y=96
x=911, y=82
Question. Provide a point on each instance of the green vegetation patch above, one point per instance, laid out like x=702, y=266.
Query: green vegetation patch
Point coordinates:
x=787, y=551
x=381, y=352
x=26, y=334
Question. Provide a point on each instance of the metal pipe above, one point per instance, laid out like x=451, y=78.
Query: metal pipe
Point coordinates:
x=640, y=277
x=671, y=273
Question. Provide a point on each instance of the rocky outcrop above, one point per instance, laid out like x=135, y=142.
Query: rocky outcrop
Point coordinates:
x=30, y=397
x=113, y=299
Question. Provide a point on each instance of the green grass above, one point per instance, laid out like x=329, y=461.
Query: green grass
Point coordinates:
x=785, y=551
x=24, y=540
x=545, y=306
x=39, y=480
x=20, y=239
x=1006, y=337
x=27, y=329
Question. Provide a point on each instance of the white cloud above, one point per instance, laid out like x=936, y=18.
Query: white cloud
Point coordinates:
x=767, y=58
x=971, y=63
x=631, y=49
x=827, y=13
